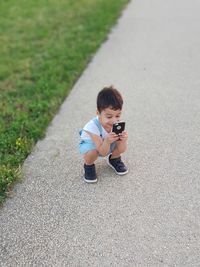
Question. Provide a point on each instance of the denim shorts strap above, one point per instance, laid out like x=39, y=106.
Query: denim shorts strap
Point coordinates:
x=98, y=124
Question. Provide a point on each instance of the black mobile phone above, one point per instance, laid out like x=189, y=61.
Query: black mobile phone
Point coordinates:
x=118, y=127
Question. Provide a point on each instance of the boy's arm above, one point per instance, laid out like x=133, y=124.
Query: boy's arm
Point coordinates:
x=122, y=141
x=103, y=146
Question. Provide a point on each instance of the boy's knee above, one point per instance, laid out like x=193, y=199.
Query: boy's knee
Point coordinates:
x=91, y=156
x=94, y=152
x=121, y=149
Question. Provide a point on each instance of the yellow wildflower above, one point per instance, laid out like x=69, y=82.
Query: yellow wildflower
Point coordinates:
x=19, y=142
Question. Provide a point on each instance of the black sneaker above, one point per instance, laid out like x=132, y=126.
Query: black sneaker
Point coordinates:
x=90, y=173
x=117, y=165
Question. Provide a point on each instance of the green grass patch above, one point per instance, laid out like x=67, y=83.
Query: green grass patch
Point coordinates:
x=45, y=45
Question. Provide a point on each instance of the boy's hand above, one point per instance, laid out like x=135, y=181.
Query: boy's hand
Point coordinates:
x=123, y=136
x=111, y=137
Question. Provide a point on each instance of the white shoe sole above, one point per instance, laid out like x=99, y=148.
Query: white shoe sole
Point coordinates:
x=90, y=181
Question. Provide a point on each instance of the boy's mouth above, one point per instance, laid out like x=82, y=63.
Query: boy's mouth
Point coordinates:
x=109, y=127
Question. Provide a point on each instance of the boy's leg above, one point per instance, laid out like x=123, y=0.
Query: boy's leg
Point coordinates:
x=90, y=157
x=114, y=159
x=119, y=149
x=89, y=167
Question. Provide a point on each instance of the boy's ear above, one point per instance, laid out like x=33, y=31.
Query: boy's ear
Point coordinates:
x=97, y=112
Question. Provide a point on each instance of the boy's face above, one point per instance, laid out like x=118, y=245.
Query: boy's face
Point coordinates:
x=108, y=117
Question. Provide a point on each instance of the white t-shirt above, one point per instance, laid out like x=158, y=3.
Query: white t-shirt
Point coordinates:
x=92, y=128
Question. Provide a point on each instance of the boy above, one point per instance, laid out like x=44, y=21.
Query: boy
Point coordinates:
x=97, y=138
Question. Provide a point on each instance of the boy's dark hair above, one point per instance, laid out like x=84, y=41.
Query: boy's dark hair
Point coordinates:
x=109, y=97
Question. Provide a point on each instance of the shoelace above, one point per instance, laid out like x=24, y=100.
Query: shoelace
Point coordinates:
x=118, y=163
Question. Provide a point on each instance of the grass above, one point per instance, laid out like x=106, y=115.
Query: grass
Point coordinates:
x=45, y=45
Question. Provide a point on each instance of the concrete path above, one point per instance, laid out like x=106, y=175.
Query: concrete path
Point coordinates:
x=150, y=217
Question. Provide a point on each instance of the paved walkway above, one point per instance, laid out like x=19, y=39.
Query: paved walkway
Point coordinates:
x=150, y=217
